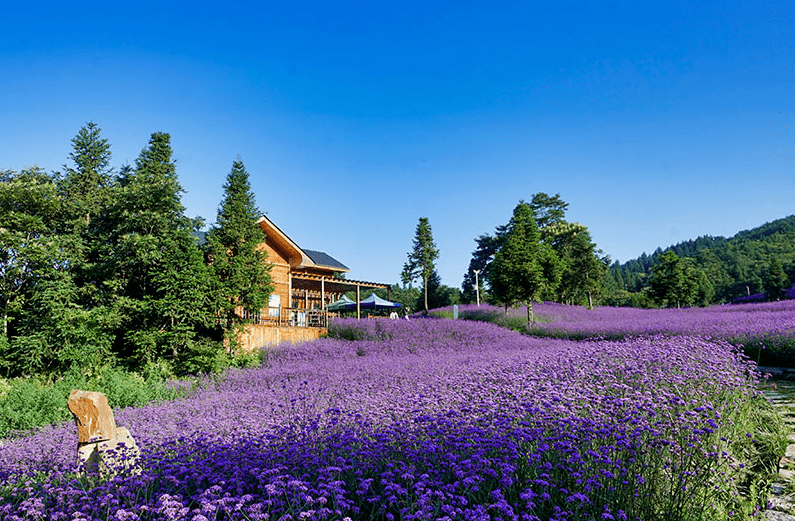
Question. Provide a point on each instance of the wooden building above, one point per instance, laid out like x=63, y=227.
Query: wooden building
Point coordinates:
x=305, y=282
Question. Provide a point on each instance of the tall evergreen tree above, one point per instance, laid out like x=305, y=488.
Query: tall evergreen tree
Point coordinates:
x=154, y=264
x=86, y=189
x=239, y=266
x=86, y=185
x=422, y=257
x=524, y=267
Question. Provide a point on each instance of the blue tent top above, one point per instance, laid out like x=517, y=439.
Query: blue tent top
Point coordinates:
x=371, y=302
x=376, y=302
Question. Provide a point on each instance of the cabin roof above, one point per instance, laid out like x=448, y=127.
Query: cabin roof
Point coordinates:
x=324, y=259
x=300, y=258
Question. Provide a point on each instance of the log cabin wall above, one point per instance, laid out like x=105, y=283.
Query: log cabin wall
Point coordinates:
x=280, y=273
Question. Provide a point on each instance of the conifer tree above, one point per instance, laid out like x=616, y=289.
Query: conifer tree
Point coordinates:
x=239, y=266
x=85, y=186
x=161, y=283
x=422, y=258
x=85, y=189
x=524, y=267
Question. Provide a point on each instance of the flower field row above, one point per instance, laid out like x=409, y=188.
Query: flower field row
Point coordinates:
x=429, y=419
x=768, y=326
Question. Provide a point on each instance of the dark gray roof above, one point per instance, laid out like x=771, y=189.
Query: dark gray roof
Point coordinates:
x=324, y=259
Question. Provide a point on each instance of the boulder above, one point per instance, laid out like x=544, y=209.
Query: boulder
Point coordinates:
x=102, y=448
x=95, y=421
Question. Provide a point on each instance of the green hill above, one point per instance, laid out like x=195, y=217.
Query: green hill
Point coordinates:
x=735, y=266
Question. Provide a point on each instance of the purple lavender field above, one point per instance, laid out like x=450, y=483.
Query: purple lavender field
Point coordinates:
x=762, y=328
x=432, y=419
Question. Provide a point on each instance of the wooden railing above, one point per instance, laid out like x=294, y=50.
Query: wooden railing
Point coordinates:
x=293, y=317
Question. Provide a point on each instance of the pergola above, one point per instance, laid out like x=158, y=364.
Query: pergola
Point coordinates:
x=323, y=285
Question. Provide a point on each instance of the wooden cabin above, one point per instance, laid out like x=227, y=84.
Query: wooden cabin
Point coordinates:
x=304, y=283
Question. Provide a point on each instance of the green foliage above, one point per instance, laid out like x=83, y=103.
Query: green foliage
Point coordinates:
x=240, y=271
x=548, y=210
x=30, y=250
x=576, y=277
x=30, y=403
x=583, y=269
x=54, y=334
x=86, y=187
x=677, y=282
x=154, y=268
x=524, y=268
x=735, y=267
x=202, y=357
x=774, y=280
x=422, y=258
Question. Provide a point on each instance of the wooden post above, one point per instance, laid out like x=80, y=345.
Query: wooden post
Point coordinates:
x=289, y=290
x=358, y=304
x=323, y=293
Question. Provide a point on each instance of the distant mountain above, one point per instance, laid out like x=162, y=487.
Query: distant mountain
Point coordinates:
x=736, y=266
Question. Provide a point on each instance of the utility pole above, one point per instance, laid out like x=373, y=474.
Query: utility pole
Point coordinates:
x=477, y=287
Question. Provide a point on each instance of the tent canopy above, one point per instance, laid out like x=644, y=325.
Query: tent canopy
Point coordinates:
x=373, y=302
x=376, y=302
x=341, y=304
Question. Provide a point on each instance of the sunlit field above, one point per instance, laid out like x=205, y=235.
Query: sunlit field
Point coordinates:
x=766, y=330
x=434, y=419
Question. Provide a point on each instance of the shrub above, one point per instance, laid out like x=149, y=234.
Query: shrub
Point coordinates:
x=202, y=357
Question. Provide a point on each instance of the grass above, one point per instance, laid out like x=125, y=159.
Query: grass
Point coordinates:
x=30, y=403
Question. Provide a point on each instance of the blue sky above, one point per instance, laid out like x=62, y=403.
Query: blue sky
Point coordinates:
x=656, y=122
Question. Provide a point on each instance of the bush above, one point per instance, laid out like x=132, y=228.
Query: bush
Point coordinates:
x=202, y=357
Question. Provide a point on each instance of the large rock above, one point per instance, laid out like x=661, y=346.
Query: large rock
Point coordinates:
x=95, y=421
x=102, y=448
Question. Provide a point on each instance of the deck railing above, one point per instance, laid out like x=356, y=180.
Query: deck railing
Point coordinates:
x=293, y=317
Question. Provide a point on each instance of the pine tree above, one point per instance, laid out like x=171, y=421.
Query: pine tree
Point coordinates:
x=85, y=187
x=154, y=264
x=421, y=258
x=239, y=266
x=524, y=267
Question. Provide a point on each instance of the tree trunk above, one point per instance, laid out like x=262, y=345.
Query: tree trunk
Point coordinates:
x=425, y=288
x=590, y=301
x=530, y=317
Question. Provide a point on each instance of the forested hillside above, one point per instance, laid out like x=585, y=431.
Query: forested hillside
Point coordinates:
x=748, y=265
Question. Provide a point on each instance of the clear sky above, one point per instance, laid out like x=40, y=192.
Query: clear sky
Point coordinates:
x=657, y=122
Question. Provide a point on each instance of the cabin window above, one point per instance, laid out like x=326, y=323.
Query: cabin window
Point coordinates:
x=274, y=303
